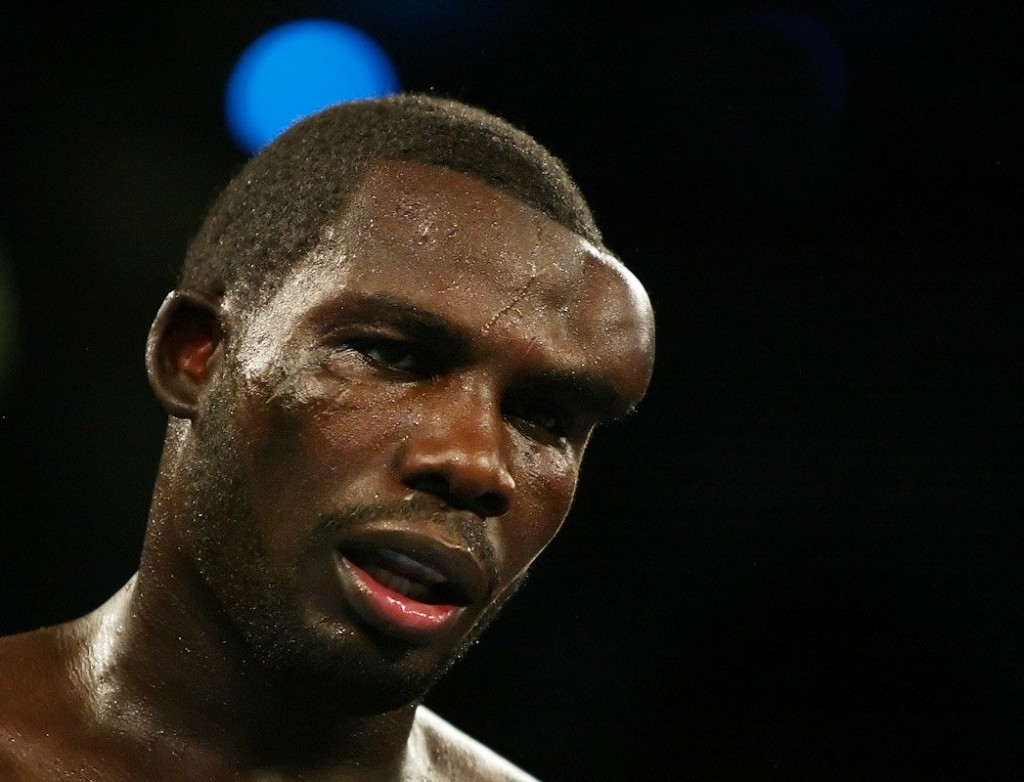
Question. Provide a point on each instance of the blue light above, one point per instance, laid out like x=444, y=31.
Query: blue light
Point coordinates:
x=297, y=69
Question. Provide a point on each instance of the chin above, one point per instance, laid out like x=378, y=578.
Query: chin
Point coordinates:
x=351, y=670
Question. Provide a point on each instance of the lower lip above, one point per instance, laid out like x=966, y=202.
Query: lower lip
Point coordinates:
x=392, y=612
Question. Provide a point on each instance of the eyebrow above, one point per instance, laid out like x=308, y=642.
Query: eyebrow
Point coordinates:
x=582, y=387
x=387, y=309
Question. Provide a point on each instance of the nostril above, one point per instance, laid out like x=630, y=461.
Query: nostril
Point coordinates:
x=433, y=483
x=486, y=504
x=490, y=504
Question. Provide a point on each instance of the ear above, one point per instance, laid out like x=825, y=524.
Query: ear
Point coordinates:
x=184, y=349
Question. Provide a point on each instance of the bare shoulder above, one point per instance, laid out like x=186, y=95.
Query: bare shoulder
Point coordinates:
x=35, y=703
x=453, y=755
x=30, y=665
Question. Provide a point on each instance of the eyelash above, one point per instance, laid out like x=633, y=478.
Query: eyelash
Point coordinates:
x=418, y=364
x=549, y=418
x=539, y=419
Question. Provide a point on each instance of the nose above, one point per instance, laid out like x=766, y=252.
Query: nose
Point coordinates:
x=457, y=452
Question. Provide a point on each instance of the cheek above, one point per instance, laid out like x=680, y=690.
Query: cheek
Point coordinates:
x=313, y=447
x=545, y=483
x=318, y=420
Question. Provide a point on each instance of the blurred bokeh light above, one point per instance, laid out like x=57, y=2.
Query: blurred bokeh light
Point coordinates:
x=298, y=68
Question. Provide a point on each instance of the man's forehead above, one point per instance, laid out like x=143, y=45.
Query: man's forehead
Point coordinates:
x=433, y=200
x=428, y=205
x=458, y=246
x=394, y=178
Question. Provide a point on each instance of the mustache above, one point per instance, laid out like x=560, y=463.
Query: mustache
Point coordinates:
x=470, y=529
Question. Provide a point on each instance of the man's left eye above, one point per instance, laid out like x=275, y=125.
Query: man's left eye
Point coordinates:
x=390, y=353
x=550, y=420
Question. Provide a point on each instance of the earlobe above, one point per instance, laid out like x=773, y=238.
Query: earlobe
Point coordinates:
x=184, y=349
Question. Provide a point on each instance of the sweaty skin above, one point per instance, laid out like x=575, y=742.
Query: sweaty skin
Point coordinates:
x=357, y=474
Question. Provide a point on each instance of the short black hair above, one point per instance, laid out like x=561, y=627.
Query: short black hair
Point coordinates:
x=272, y=212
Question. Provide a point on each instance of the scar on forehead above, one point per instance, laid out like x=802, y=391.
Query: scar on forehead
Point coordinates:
x=516, y=298
x=529, y=347
x=521, y=292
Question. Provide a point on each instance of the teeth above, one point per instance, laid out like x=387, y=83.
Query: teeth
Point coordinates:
x=400, y=584
x=408, y=576
x=414, y=568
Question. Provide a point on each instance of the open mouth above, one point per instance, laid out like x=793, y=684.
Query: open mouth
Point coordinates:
x=408, y=577
x=409, y=586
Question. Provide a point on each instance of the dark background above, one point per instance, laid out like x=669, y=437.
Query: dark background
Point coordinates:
x=801, y=559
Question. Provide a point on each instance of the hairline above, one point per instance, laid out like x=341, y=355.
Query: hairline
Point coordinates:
x=269, y=216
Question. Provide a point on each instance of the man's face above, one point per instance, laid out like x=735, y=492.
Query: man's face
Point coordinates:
x=397, y=434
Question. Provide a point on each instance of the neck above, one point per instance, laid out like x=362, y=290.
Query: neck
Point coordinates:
x=164, y=666
x=156, y=675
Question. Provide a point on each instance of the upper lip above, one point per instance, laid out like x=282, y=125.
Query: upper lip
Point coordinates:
x=466, y=580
